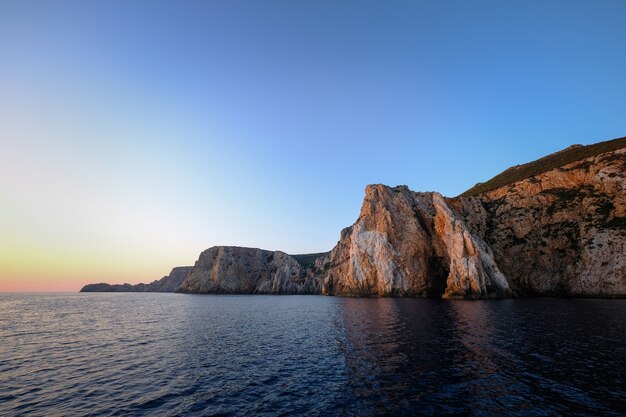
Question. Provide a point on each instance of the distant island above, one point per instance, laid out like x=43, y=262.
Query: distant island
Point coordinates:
x=552, y=227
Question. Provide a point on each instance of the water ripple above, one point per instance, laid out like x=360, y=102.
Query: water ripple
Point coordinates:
x=170, y=355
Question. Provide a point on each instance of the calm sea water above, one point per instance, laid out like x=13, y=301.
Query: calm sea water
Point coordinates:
x=174, y=354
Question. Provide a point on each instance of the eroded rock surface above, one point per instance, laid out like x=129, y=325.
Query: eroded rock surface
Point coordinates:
x=411, y=244
x=559, y=232
x=562, y=232
x=237, y=270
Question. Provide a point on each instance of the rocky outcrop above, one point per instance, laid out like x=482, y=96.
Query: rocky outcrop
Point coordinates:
x=237, y=270
x=168, y=283
x=555, y=227
x=411, y=244
x=561, y=232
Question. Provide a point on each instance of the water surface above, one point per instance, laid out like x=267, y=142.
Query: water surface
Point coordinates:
x=148, y=354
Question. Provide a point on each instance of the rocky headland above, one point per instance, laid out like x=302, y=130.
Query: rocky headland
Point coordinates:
x=411, y=244
x=168, y=283
x=552, y=227
x=237, y=270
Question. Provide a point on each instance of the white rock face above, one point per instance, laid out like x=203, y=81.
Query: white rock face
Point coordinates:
x=411, y=244
x=237, y=270
x=473, y=271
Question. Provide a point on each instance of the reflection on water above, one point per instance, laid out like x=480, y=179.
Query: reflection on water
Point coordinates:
x=170, y=354
x=513, y=357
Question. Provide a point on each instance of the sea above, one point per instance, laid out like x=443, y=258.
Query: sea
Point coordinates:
x=149, y=354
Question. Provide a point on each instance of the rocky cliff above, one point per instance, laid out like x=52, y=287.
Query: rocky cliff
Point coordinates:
x=237, y=270
x=560, y=232
x=168, y=283
x=411, y=244
x=556, y=226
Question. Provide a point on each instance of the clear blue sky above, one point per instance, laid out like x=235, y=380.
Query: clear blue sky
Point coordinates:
x=134, y=134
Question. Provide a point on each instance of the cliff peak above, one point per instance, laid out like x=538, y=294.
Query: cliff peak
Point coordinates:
x=243, y=270
x=411, y=244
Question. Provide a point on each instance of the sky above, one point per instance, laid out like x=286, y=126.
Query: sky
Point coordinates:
x=135, y=134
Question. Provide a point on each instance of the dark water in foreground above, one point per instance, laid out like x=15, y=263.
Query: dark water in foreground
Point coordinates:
x=171, y=354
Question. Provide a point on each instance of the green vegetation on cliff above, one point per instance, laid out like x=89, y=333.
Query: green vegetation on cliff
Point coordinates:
x=567, y=156
x=307, y=260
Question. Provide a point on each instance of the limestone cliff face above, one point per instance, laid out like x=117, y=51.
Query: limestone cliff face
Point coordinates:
x=556, y=226
x=237, y=270
x=410, y=244
x=562, y=232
